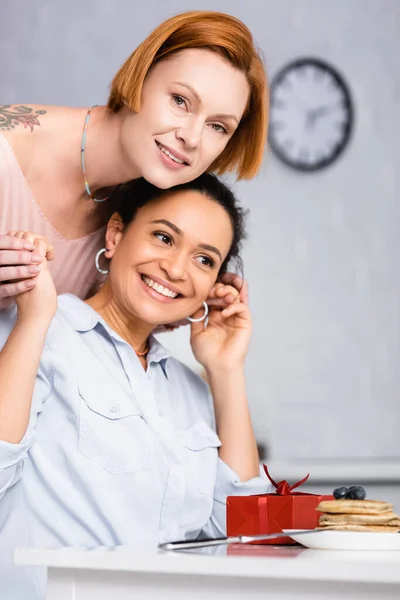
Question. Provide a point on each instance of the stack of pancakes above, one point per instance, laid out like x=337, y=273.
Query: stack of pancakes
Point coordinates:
x=358, y=515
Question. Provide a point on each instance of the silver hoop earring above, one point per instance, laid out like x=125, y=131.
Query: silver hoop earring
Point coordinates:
x=96, y=262
x=202, y=318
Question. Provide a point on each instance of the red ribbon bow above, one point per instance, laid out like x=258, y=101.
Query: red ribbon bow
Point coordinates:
x=282, y=487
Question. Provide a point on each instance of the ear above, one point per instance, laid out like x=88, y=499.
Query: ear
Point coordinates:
x=114, y=234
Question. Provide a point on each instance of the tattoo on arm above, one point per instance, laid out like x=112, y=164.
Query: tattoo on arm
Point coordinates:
x=12, y=116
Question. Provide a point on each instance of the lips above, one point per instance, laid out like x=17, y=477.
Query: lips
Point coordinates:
x=161, y=289
x=174, y=155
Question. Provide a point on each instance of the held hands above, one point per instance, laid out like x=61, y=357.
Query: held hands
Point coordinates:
x=19, y=264
x=223, y=344
x=33, y=292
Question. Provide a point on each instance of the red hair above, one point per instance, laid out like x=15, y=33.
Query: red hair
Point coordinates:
x=231, y=39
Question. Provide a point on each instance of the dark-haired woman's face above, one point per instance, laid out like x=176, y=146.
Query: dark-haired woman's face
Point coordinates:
x=192, y=104
x=168, y=259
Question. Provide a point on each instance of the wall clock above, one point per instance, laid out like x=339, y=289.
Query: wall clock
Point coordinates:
x=311, y=114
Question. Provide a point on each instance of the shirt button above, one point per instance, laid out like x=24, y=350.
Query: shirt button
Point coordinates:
x=114, y=408
x=167, y=536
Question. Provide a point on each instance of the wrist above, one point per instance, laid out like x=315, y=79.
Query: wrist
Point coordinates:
x=37, y=322
x=235, y=371
x=228, y=379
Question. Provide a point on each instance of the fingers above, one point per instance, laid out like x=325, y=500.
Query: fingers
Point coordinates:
x=18, y=257
x=244, y=292
x=239, y=309
x=41, y=247
x=50, y=252
x=9, y=290
x=21, y=254
x=234, y=280
x=222, y=295
x=11, y=273
x=8, y=242
x=29, y=238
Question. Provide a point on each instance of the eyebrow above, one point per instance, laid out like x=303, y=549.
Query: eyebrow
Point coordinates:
x=211, y=249
x=180, y=233
x=198, y=99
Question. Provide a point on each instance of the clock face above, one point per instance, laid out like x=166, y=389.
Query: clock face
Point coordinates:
x=311, y=115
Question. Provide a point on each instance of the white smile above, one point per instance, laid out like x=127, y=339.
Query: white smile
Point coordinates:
x=168, y=153
x=159, y=288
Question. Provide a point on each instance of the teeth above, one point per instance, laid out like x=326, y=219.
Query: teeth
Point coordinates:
x=168, y=153
x=159, y=288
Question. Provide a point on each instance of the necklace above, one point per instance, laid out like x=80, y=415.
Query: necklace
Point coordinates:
x=142, y=353
x=83, y=143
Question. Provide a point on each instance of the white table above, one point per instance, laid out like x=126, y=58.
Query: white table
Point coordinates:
x=226, y=573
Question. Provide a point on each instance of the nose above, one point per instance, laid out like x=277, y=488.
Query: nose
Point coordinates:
x=175, y=267
x=190, y=132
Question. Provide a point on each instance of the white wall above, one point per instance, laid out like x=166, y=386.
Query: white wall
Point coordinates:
x=322, y=258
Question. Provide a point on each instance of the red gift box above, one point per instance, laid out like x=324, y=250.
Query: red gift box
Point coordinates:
x=270, y=513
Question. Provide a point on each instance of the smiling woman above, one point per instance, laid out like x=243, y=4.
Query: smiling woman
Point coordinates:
x=129, y=444
x=191, y=98
x=172, y=245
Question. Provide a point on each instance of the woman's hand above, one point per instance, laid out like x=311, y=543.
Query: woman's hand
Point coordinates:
x=231, y=279
x=38, y=299
x=237, y=288
x=19, y=264
x=223, y=344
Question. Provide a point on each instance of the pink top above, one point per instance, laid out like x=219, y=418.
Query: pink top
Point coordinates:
x=73, y=267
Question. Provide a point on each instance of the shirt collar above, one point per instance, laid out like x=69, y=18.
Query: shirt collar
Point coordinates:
x=84, y=318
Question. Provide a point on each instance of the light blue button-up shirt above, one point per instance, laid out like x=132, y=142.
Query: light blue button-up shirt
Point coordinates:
x=113, y=453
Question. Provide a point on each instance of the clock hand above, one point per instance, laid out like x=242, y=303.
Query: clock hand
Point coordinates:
x=320, y=111
x=314, y=113
x=310, y=119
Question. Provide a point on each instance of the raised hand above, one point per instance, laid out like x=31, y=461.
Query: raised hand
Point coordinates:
x=240, y=285
x=223, y=344
x=19, y=264
x=39, y=298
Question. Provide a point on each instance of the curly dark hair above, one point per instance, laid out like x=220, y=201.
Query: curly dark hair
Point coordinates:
x=131, y=196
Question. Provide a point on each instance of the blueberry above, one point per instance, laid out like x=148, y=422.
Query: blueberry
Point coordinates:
x=341, y=493
x=356, y=492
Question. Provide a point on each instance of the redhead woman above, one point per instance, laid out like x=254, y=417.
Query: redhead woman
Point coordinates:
x=107, y=439
x=191, y=98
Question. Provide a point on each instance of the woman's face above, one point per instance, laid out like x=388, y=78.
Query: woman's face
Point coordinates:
x=168, y=259
x=191, y=105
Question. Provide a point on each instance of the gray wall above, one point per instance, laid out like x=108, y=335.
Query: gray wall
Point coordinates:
x=322, y=256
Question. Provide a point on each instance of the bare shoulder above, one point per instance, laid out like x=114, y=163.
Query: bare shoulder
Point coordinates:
x=25, y=117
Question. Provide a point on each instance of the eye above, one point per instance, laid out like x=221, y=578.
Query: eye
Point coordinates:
x=163, y=237
x=218, y=128
x=206, y=261
x=179, y=101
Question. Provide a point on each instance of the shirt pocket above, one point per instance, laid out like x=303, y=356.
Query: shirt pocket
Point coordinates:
x=112, y=432
x=202, y=444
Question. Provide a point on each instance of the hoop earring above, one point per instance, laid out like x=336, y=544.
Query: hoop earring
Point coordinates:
x=202, y=318
x=96, y=262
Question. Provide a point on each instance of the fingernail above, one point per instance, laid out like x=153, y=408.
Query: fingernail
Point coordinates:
x=34, y=269
x=36, y=258
x=28, y=246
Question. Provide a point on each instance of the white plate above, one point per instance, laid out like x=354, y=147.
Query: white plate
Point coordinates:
x=346, y=540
